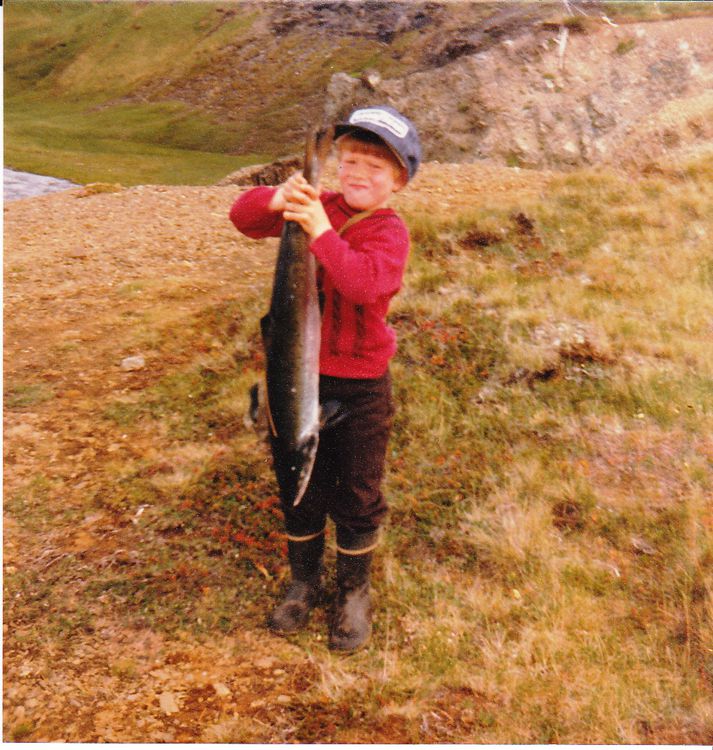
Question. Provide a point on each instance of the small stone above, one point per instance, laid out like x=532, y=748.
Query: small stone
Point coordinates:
x=168, y=703
x=221, y=690
x=133, y=363
x=641, y=545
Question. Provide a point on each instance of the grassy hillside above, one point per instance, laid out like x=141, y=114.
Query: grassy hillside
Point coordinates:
x=81, y=79
x=69, y=64
x=546, y=574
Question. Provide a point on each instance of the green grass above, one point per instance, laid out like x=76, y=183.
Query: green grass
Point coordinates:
x=647, y=11
x=94, y=91
x=84, y=50
x=69, y=68
x=160, y=144
x=18, y=396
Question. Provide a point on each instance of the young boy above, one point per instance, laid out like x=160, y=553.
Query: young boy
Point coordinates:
x=362, y=246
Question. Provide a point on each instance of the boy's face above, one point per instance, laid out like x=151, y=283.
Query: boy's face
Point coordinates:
x=367, y=180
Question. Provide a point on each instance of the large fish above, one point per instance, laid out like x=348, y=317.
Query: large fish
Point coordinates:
x=291, y=337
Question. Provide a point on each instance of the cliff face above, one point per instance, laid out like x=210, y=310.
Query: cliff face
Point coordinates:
x=558, y=97
x=524, y=84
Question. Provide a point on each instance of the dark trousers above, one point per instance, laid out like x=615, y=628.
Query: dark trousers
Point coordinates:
x=349, y=468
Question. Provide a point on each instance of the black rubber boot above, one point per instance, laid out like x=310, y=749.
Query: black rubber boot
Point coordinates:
x=351, y=621
x=305, y=590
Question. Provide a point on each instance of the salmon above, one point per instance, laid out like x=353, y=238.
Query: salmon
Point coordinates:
x=291, y=338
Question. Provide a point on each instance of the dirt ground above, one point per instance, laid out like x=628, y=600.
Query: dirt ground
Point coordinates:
x=83, y=270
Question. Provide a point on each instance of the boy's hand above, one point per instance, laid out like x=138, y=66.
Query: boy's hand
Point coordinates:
x=302, y=205
x=278, y=199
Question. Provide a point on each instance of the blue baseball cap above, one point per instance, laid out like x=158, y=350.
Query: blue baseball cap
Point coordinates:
x=397, y=131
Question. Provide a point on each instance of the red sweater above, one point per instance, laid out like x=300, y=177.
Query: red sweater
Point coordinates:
x=359, y=273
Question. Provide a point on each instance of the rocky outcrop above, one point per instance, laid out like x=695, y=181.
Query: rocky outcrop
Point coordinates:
x=264, y=174
x=540, y=84
x=558, y=96
x=371, y=19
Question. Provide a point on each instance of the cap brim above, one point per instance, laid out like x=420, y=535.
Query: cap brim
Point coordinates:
x=344, y=128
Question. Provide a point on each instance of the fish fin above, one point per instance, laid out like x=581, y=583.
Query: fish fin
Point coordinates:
x=254, y=410
x=258, y=417
x=331, y=413
x=266, y=330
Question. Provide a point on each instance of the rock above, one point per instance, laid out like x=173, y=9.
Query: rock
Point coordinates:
x=496, y=89
x=274, y=173
x=264, y=662
x=129, y=364
x=168, y=703
x=371, y=79
x=221, y=690
x=345, y=93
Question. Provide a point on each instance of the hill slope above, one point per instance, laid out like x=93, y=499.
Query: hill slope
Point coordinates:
x=185, y=92
x=549, y=477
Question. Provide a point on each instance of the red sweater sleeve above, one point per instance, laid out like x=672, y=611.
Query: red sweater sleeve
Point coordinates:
x=371, y=264
x=252, y=217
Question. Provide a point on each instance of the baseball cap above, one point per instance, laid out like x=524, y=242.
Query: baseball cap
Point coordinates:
x=397, y=131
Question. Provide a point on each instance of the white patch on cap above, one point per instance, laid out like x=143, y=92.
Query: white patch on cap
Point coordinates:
x=381, y=118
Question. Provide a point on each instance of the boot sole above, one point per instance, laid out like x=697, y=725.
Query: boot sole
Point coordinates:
x=275, y=628
x=351, y=650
